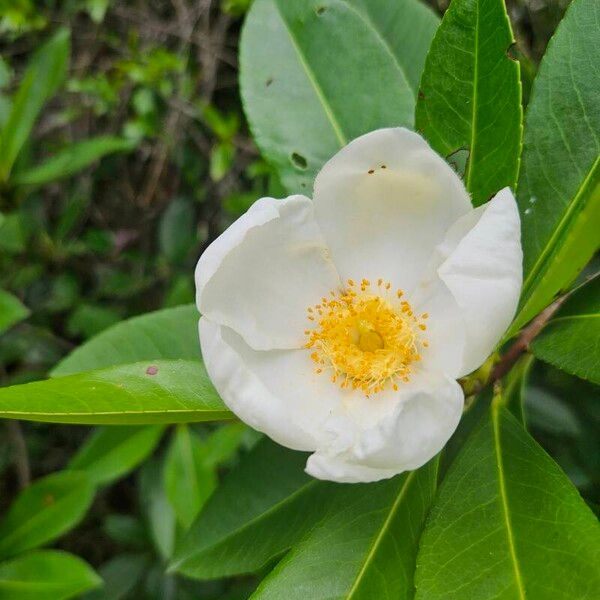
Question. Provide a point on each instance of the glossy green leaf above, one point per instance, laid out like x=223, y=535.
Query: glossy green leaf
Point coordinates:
x=120, y=575
x=112, y=452
x=45, y=510
x=46, y=575
x=44, y=74
x=507, y=524
x=156, y=507
x=571, y=340
x=189, y=480
x=559, y=185
x=71, y=159
x=167, y=334
x=364, y=547
x=166, y=391
x=11, y=310
x=316, y=74
x=261, y=509
x=470, y=95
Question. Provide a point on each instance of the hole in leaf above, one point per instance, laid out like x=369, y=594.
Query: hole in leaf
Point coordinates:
x=458, y=160
x=299, y=161
x=513, y=52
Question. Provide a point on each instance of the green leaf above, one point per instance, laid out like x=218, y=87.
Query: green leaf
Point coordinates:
x=407, y=27
x=261, y=509
x=46, y=575
x=163, y=334
x=167, y=391
x=45, y=510
x=11, y=311
x=45, y=73
x=316, y=74
x=559, y=184
x=120, y=574
x=72, y=159
x=112, y=452
x=571, y=340
x=507, y=524
x=470, y=96
x=158, y=511
x=189, y=480
x=364, y=547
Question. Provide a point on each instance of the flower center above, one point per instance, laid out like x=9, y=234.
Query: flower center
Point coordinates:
x=366, y=339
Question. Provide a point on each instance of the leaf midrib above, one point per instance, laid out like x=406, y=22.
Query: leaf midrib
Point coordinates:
x=378, y=538
x=337, y=129
x=504, y=502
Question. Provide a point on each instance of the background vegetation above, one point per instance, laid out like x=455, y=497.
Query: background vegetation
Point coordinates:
x=137, y=157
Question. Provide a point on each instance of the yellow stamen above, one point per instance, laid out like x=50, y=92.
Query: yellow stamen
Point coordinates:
x=365, y=341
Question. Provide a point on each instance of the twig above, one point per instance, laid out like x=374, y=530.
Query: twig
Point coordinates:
x=521, y=346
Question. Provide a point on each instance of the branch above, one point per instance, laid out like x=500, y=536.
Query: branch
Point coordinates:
x=508, y=360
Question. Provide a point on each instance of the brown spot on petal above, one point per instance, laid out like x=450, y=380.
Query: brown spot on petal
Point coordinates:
x=371, y=171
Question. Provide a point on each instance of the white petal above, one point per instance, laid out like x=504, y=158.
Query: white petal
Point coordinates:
x=484, y=273
x=386, y=224
x=264, y=271
x=416, y=427
x=275, y=391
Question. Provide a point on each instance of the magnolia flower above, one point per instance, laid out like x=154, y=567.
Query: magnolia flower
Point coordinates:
x=340, y=325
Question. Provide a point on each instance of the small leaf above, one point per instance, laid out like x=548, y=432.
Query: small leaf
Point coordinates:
x=43, y=76
x=168, y=391
x=71, y=160
x=112, y=452
x=189, y=481
x=223, y=443
x=176, y=232
x=126, y=530
x=46, y=575
x=571, y=340
x=507, y=523
x=157, y=509
x=364, y=547
x=120, y=575
x=11, y=311
x=170, y=334
x=45, y=510
x=559, y=184
x=470, y=96
x=515, y=386
x=322, y=76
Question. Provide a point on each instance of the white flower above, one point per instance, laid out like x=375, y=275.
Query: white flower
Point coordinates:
x=340, y=325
